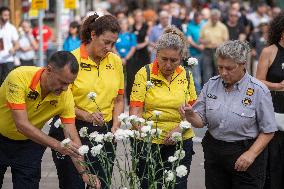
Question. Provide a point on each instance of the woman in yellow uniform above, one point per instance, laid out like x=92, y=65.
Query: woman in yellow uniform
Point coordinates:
x=101, y=72
x=172, y=87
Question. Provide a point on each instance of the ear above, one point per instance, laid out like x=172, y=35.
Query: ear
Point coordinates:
x=49, y=69
x=93, y=35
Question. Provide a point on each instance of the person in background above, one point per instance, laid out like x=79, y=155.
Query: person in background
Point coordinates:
x=195, y=49
x=29, y=97
x=72, y=41
x=126, y=46
x=8, y=43
x=260, y=15
x=27, y=44
x=235, y=27
x=238, y=112
x=166, y=73
x=212, y=34
x=101, y=72
x=270, y=71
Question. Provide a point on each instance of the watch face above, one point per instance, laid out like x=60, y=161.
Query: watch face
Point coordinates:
x=1, y=44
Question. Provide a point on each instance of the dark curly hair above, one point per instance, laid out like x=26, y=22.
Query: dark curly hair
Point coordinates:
x=99, y=25
x=276, y=29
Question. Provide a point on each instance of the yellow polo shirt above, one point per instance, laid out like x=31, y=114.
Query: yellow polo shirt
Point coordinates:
x=21, y=90
x=165, y=96
x=106, y=80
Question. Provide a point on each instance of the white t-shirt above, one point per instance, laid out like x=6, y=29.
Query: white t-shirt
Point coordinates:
x=25, y=41
x=9, y=34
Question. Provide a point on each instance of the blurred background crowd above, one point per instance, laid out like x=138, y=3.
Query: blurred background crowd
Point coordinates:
x=206, y=24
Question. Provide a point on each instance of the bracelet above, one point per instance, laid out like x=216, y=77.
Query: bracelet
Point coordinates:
x=83, y=172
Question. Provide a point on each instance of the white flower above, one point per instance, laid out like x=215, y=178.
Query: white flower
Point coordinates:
x=141, y=120
x=133, y=118
x=149, y=84
x=108, y=137
x=92, y=95
x=129, y=133
x=181, y=171
x=122, y=117
x=99, y=138
x=180, y=154
x=185, y=125
x=192, y=61
x=157, y=113
x=172, y=158
x=126, y=125
x=146, y=129
x=169, y=176
x=83, y=132
x=93, y=135
x=83, y=150
x=58, y=123
x=65, y=142
x=156, y=132
x=96, y=150
x=120, y=134
x=176, y=136
x=143, y=135
x=150, y=123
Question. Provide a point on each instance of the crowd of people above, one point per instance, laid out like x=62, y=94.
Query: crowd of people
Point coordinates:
x=243, y=145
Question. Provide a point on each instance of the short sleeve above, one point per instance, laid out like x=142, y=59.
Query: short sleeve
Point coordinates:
x=68, y=114
x=188, y=31
x=15, y=91
x=200, y=105
x=192, y=92
x=121, y=78
x=265, y=113
x=138, y=89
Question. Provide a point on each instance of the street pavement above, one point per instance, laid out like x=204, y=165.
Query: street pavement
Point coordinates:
x=49, y=177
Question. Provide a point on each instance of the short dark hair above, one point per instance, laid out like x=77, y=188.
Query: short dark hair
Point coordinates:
x=61, y=58
x=99, y=25
x=2, y=9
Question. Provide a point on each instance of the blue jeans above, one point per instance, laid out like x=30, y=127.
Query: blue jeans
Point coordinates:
x=166, y=152
x=24, y=158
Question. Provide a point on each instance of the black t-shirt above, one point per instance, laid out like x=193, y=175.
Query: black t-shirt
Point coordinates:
x=235, y=31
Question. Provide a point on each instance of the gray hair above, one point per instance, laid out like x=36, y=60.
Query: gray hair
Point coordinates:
x=215, y=12
x=173, y=38
x=236, y=50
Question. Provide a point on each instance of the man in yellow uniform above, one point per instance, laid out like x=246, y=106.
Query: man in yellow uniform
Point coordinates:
x=29, y=97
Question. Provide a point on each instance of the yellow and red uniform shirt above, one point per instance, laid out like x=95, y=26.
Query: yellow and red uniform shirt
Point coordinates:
x=106, y=80
x=164, y=96
x=21, y=91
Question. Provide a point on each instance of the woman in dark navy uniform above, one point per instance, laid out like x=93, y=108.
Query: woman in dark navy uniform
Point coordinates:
x=270, y=71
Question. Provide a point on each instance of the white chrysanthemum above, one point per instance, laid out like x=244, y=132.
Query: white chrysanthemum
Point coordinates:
x=180, y=154
x=123, y=117
x=181, y=171
x=150, y=123
x=141, y=120
x=83, y=150
x=176, y=136
x=120, y=134
x=108, y=137
x=192, y=61
x=93, y=135
x=65, y=142
x=146, y=129
x=96, y=150
x=185, y=125
x=149, y=84
x=99, y=138
x=58, y=123
x=169, y=176
x=156, y=132
x=92, y=95
x=83, y=132
x=172, y=159
x=157, y=113
x=133, y=118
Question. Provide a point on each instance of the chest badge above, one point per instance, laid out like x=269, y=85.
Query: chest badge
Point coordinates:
x=250, y=92
x=211, y=96
x=33, y=95
x=247, y=101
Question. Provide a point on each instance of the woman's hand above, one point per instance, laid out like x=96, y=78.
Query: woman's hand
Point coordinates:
x=92, y=180
x=168, y=139
x=98, y=118
x=186, y=111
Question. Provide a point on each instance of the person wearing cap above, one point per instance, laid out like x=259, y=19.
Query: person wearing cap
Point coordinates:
x=29, y=97
x=172, y=87
x=100, y=72
x=238, y=112
x=270, y=71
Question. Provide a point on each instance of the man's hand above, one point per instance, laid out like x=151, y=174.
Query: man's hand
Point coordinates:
x=71, y=149
x=186, y=111
x=92, y=180
x=244, y=161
